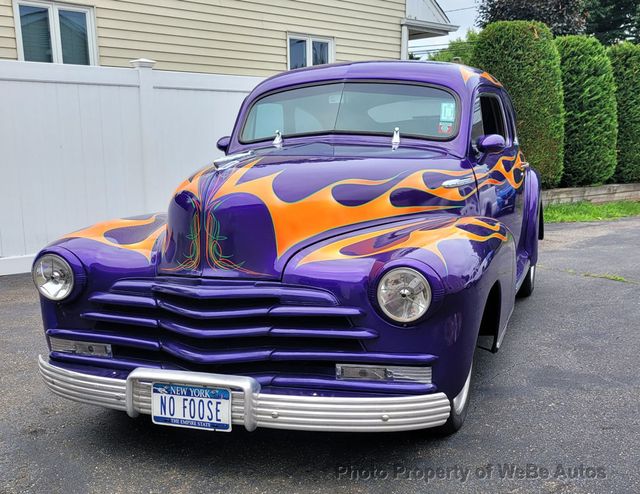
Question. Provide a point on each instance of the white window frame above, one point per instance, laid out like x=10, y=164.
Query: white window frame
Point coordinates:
x=309, y=40
x=53, y=9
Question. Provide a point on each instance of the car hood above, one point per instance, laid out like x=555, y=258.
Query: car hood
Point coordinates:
x=246, y=216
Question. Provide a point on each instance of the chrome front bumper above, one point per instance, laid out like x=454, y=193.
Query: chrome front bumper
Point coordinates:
x=252, y=408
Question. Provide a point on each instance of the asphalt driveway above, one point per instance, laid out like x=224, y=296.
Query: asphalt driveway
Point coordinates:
x=556, y=410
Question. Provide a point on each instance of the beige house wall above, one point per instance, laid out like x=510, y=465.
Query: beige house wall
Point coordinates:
x=244, y=37
x=7, y=31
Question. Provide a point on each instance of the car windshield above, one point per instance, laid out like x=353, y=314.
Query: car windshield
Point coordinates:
x=357, y=108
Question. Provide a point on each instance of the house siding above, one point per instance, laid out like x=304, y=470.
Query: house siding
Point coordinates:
x=7, y=31
x=247, y=37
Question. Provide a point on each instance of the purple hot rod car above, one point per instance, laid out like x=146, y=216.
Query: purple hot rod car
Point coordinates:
x=334, y=271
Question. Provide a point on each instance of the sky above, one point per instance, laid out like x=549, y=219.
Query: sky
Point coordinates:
x=461, y=13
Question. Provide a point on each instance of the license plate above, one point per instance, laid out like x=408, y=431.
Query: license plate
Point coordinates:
x=195, y=407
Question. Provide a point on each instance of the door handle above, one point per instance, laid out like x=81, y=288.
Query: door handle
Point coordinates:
x=458, y=182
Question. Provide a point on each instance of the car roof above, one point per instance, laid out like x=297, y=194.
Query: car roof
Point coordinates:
x=457, y=77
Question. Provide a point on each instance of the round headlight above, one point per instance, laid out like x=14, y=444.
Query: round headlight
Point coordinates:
x=404, y=295
x=53, y=277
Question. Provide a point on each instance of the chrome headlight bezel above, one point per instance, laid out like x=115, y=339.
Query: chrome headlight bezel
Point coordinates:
x=424, y=294
x=61, y=273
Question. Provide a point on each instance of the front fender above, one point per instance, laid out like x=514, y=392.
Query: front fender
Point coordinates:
x=127, y=244
x=461, y=257
x=532, y=215
x=104, y=253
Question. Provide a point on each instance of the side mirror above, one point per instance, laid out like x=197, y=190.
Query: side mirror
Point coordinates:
x=492, y=143
x=223, y=143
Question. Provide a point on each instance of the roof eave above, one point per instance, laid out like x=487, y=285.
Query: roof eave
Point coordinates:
x=425, y=29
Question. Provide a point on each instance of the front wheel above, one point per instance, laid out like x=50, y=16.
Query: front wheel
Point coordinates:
x=528, y=284
x=459, y=408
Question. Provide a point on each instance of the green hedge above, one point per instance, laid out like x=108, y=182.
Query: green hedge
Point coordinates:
x=523, y=56
x=625, y=58
x=591, y=125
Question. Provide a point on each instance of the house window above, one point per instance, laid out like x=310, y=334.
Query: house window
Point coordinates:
x=305, y=51
x=55, y=32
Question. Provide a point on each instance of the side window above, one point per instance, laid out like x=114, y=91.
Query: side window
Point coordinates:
x=488, y=118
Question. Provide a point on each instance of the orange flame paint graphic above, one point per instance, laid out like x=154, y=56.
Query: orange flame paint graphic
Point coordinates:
x=500, y=167
x=429, y=239
x=99, y=233
x=297, y=221
x=467, y=74
x=320, y=212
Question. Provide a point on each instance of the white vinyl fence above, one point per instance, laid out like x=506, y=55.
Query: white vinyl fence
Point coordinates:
x=85, y=144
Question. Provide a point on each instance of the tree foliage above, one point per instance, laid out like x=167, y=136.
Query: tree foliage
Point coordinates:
x=625, y=59
x=562, y=16
x=591, y=125
x=460, y=48
x=612, y=21
x=523, y=56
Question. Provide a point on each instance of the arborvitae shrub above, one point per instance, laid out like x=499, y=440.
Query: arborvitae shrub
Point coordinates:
x=523, y=56
x=625, y=59
x=591, y=125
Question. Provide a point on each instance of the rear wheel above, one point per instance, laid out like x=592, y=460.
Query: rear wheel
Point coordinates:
x=459, y=408
x=528, y=284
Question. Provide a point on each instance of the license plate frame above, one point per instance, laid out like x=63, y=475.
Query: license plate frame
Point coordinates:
x=191, y=406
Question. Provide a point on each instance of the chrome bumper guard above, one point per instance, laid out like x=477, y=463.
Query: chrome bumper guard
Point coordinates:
x=250, y=407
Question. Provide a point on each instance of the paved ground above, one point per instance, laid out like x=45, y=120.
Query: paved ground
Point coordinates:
x=563, y=390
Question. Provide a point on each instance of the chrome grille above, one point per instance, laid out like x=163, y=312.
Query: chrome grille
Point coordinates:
x=282, y=335
x=201, y=323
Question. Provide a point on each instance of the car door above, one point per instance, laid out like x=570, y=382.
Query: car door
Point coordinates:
x=500, y=176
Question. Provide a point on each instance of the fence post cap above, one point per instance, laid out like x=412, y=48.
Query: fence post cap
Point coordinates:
x=142, y=63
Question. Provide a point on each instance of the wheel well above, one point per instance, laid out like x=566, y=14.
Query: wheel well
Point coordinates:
x=490, y=325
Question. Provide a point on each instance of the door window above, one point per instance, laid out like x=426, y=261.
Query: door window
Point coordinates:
x=488, y=118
